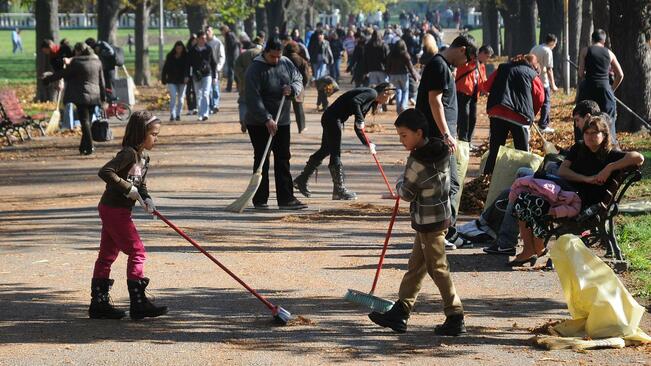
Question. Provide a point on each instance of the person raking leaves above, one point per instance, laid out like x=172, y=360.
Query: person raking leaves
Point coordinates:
x=125, y=176
x=426, y=185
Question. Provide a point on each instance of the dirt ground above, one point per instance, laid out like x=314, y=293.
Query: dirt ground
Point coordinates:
x=305, y=262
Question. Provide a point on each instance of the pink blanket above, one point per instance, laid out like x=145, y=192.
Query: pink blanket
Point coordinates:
x=563, y=203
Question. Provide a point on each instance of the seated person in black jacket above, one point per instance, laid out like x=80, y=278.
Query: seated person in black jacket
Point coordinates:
x=355, y=102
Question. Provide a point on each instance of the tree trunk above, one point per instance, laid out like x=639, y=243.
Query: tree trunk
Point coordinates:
x=630, y=35
x=260, y=19
x=575, y=36
x=47, y=27
x=551, y=21
x=197, y=17
x=519, y=26
x=601, y=15
x=142, y=74
x=248, y=26
x=586, y=24
x=107, y=20
x=490, y=26
x=276, y=15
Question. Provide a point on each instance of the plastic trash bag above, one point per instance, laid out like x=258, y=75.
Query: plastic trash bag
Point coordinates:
x=598, y=302
x=508, y=162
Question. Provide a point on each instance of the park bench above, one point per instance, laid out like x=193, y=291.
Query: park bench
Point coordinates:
x=13, y=118
x=596, y=224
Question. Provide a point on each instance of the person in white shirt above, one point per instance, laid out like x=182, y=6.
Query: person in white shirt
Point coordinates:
x=220, y=57
x=543, y=53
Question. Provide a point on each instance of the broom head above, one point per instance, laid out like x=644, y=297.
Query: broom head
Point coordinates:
x=373, y=302
x=241, y=203
x=281, y=316
x=53, y=124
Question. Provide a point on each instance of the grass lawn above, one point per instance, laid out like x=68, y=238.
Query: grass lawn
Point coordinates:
x=21, y=68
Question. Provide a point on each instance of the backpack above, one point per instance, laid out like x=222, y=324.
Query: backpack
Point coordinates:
x=118, y=56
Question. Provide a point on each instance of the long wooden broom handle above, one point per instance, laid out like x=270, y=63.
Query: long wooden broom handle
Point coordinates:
x=386, y=244
x=266, y=149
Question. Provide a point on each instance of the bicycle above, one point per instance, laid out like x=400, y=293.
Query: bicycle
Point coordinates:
x=115, y=108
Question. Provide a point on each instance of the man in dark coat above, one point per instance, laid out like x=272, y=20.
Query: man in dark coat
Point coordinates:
x=270, y=77
x=84, y=88
x=233, y=49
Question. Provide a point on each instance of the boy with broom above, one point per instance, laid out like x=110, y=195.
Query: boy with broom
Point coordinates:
x=426, y=185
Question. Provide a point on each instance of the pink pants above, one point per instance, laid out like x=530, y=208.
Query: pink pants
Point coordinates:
x=119, y=234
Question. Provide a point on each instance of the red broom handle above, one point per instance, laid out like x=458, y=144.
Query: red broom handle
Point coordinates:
x=377, y=162
x=194, y=243
x=386, y=244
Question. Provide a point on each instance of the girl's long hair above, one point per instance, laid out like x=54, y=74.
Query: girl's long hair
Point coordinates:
x=527, y=59
x=429, y=44
x=137, y=129
x=600, y=123
x=173, y=51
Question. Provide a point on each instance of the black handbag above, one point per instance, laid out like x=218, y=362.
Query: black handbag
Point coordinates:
x=101, y=131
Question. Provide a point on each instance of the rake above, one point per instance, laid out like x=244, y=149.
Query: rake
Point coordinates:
x=379, y=166
x=368, y=299
x=280, y=315
x=243, y=201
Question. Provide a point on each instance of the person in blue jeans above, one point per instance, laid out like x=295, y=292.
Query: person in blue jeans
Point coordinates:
x=203, y=69
x=337, y=48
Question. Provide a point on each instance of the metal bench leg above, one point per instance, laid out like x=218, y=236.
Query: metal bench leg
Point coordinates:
x=612, y=241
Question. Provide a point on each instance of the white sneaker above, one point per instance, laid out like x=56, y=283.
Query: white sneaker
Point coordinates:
x=547, y=130
x=450, y=246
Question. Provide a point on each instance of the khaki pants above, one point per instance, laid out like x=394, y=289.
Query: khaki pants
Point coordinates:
x=428, y=256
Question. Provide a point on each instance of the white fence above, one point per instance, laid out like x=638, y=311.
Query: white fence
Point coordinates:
x=88, y=21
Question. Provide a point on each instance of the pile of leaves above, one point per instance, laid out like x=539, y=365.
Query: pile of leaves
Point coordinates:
x=474, y=195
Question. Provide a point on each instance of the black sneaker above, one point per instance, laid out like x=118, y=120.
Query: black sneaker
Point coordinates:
x=261, y=206
x=293, y=204
x=495, y=249
x=453, y=326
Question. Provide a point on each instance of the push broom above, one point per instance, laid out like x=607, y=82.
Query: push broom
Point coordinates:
x=280, y=315
x=547, y=146
x=55, y=118
x=241, y=203
x=379, y=166
x=369, y=299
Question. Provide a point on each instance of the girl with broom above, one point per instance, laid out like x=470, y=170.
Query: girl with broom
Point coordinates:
x=356, y=102
x=125, y=177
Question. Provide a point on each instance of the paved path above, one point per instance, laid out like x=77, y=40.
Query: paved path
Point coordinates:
x=49, y=233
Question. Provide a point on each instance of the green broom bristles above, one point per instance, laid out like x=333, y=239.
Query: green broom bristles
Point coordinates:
x=373, y=302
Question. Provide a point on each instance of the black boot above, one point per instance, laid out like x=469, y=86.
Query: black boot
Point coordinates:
x=100, y=302
x=396, y=318
x=141, y=307
x=339, y=191
x=453, y=326
x=300, y=182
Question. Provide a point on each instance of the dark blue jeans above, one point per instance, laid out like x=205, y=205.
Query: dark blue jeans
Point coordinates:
x=544, y=111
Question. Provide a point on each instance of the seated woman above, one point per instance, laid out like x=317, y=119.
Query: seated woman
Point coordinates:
x=587, y=167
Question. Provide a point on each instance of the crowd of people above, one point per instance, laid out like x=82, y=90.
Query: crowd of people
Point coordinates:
x=407, y=64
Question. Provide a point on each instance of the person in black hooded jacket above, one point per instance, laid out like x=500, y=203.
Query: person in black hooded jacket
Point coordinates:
x=356, y=102
x=176, y=74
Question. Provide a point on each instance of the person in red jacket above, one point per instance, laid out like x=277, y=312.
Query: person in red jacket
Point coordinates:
x=468, y=80
x=516, y=95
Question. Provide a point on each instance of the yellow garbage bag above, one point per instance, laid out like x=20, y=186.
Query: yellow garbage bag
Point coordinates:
x=463, y=156
x=508, y=162
x=598, y=302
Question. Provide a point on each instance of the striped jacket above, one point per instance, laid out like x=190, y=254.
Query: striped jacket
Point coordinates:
x=426, y=185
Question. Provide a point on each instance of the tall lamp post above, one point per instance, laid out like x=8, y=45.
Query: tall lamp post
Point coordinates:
x=161, y=21
x=566, y=47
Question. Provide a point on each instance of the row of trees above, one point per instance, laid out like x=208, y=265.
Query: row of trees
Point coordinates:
x=267, y=14
x=627, y=22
